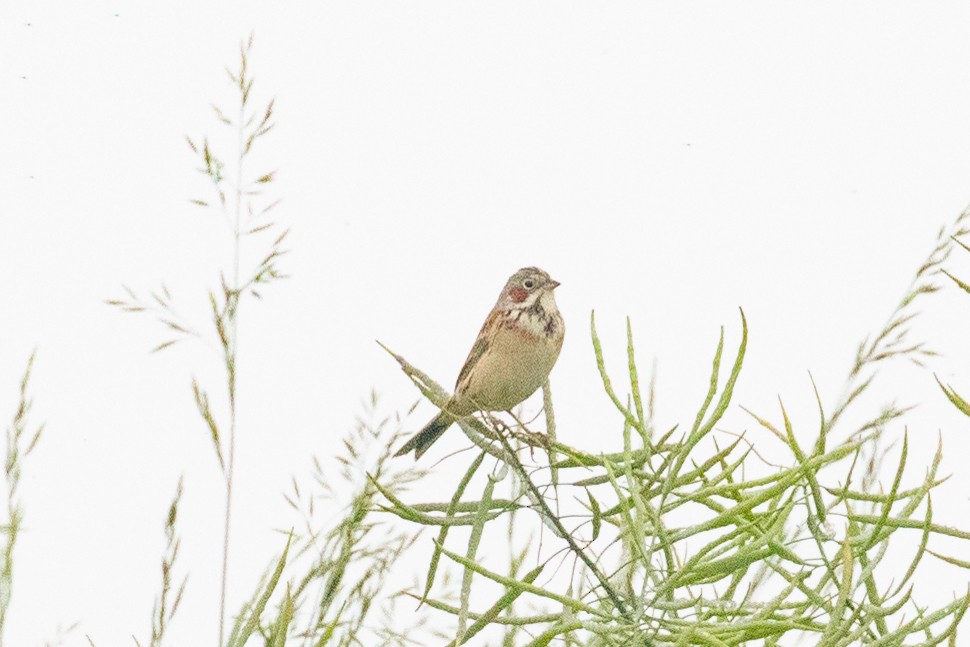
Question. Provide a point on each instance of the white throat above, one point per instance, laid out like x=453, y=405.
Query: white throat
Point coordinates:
x=547, y=300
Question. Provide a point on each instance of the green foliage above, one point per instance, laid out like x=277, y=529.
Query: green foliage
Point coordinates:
x=341, y=557
x=689, y=537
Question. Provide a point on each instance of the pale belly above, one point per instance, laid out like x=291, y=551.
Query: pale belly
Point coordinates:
x=511, y=370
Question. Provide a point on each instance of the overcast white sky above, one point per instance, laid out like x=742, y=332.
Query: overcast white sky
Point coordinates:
x=667, y=161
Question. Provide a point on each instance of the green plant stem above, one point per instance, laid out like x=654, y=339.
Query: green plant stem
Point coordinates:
x=232, y=301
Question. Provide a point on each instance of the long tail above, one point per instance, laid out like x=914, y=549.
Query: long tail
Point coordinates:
x=426, y=437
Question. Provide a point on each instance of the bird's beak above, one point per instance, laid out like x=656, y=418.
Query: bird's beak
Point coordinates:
x=553, y=283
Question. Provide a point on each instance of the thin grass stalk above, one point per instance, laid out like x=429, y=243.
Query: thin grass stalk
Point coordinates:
x=232, y=324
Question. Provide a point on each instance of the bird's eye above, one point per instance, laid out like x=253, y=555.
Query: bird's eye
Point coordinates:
x=528, y=284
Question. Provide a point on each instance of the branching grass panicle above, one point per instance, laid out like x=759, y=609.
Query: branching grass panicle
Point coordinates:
x=238, y=195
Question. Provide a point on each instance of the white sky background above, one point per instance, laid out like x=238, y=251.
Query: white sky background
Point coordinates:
x=668, y=162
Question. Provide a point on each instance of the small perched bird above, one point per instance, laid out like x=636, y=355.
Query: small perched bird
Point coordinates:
x=512, y=357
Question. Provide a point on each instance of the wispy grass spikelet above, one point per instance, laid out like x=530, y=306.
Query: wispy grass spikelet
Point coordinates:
x=21, y=441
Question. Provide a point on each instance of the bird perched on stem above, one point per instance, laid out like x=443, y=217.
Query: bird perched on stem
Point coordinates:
x=512, y=357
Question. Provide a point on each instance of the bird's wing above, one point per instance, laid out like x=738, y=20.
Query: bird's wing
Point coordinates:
x=482, y=343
